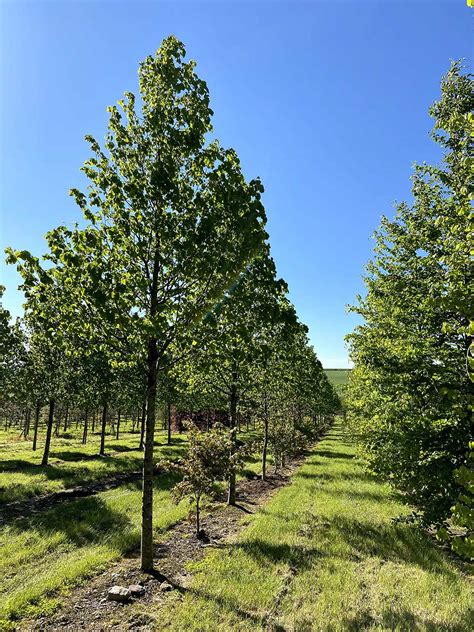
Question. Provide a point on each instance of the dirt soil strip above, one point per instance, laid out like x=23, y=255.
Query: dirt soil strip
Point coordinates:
x=24, y=508
x=87, y=607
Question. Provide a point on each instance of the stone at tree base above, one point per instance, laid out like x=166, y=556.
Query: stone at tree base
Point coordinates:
x=119, y=593
x=166, y=586
x=136, y=590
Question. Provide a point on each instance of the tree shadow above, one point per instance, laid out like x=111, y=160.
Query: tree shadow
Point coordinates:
x=393, y=542
x=71, y=455
x=399, y=620
x=349, y=476
x=296, y=556
x=125, y=448
x=334, y=455
x=249, y=474
x=84, y=521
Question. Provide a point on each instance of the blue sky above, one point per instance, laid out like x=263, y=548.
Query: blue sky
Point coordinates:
x=325, y=101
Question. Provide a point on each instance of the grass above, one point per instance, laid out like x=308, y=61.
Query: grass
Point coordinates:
x=338, y=377
x=325, y=554
x=43, y=556
x=71, y=463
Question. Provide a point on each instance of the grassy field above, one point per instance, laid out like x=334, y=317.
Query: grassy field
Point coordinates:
x=338, y=377
x=44, y=555
x=325, y=554
x=71, y=463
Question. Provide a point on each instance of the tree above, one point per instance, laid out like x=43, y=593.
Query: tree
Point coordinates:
x=170, y=222
x=205, y=463
x=410, y=394
x=230, y=337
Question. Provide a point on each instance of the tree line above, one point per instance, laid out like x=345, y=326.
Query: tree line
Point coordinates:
x=165, y=295
x=410, y=393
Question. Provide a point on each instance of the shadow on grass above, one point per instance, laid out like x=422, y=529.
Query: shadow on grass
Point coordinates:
x=88, y=520
x=297, y=556
x=393, y=542
x=249, y=474
x=399, y=620
x=71, y=455
x=334, y=455
x=350, y=476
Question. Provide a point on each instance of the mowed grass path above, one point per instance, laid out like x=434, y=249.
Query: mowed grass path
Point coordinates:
x=324, y=554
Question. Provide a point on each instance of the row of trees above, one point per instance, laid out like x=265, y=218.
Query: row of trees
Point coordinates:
x=166, y=292
x=410, y=395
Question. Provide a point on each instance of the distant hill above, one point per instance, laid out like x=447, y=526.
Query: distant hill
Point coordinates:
x=338, y=377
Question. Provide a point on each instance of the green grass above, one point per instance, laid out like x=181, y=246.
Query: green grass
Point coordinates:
x=71, y=463
x=338, y=377
x=325, y=554
x=43, y=556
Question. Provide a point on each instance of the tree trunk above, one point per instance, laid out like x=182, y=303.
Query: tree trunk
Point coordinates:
x=142, y=428
x=198, y=516
x=84, y=434
x=93, y=420
x=265, y=439
x=147, y=498
x=58, y=424
x=118, y=424
x=49, y=430
x=37, y=418
x=169, y=423
x=233, y=426
x=27, y=422
x=66, y=417
x=102, y=430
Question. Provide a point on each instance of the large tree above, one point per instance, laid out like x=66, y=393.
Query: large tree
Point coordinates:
x=410, y=394
x=170, y=223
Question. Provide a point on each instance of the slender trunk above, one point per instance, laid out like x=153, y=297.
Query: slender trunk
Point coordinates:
x=147, y=498
x=265, y=438
x=93, y=420
x=198, y=521
x=27, y=422
x=37, y=418
x=142, y=427
x=58, y=424
x=102, y=430
x=169, y=423
x=233, y=426
x=66, y=417
x=49, y=430
x=84, y=434
x=118, y=424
